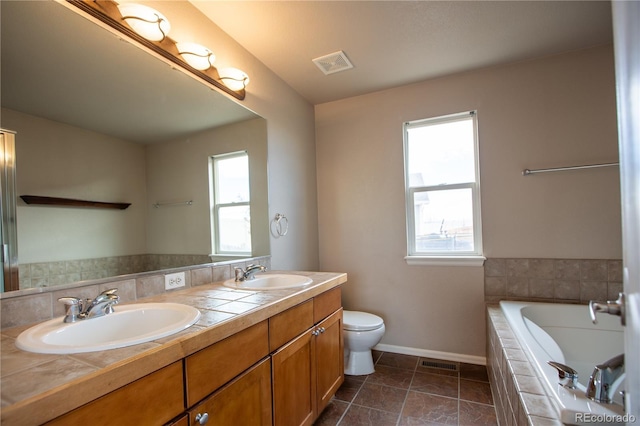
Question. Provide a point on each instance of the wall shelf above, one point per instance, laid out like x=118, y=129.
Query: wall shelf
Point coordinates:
x=69, y=202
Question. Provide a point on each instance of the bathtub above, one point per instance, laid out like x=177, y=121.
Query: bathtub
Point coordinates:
x=564, y=333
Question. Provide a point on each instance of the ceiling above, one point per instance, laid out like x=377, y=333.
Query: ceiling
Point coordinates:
x=393, y=43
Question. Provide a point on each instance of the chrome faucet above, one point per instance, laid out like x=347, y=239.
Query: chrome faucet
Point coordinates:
x=80, y=309
x=603, y=379
x=611, y=307
x=248, y=274
x=567, y=375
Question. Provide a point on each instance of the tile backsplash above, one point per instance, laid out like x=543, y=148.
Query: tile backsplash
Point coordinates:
x=552, y=280
x=26, y=306
x=50, y=274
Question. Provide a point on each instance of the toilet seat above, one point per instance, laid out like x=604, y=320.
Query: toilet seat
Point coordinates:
x=360, y=321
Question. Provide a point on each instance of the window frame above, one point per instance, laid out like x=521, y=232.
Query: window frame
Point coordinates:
x=443, y=258
x=215, y=206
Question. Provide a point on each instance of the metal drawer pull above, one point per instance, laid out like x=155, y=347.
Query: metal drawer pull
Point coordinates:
x=202, y=418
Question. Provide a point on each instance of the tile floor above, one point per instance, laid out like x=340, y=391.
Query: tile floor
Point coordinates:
x=403, y=392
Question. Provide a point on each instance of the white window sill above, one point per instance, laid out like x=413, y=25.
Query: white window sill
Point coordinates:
x=445, y=260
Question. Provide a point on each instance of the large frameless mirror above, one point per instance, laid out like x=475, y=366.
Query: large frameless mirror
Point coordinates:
x=98, y=119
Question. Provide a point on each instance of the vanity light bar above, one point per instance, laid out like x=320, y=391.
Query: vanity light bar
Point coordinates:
x=108, y=12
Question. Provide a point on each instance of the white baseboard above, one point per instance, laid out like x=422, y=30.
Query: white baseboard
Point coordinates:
x=447, y=356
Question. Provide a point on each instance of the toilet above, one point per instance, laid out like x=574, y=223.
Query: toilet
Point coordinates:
x=362, y=331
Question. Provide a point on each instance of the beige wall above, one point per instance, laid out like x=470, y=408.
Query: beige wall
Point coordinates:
x=58, y=160
x=179, y=171
x=552, y=112
x=290, y=130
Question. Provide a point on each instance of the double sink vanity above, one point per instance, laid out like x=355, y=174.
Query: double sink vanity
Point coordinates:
x=263, y=353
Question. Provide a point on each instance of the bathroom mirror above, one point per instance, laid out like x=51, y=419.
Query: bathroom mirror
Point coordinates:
x=99, y=119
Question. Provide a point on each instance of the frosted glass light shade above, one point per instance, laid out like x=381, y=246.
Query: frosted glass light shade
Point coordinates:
x=146, y=21
x=233, y=78
x=196, y=55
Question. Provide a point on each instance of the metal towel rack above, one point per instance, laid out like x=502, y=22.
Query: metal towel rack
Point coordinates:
x=179, y=203
x=527, y=172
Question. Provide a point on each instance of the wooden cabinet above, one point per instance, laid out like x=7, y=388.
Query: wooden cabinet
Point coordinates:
x=153, y=399
x=180, y=421
x=329, y=359
x=244, y=401
x=280, y=371
x=294, y=382
x=307, y=371
x=207, y=370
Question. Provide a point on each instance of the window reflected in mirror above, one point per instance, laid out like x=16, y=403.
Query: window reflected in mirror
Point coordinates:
x=231, y=203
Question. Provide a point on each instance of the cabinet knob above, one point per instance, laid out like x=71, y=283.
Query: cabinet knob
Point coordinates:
x=202, y=418
x=316, y=332
x=322, y=330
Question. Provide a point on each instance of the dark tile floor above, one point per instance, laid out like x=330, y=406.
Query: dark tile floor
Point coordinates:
x=403, y=392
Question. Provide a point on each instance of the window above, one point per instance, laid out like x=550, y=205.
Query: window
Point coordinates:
x=443, y=190
x=230, y=204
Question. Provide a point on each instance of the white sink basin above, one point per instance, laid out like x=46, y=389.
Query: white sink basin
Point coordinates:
x=128, y=325
x=270, y=282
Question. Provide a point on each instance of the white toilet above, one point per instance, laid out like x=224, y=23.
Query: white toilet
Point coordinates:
x=362, y=331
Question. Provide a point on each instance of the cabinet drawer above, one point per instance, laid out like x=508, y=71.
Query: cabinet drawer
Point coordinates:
x=244, y=401
x=290, y=323
x=326, y=303
x=153, y=399
x=212, y=367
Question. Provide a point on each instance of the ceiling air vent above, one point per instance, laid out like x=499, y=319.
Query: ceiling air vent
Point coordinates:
x=335, y=62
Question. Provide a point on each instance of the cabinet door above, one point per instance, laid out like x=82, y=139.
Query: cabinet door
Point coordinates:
x=244, y=401
x=294, y=382
x=181, y=421
x=329, y=358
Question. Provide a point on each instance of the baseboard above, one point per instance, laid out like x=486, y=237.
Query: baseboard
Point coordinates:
x=448, y=356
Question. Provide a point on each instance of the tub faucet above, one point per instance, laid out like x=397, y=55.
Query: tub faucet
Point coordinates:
x=80, y=309
x=603, y=379
x=248, y=274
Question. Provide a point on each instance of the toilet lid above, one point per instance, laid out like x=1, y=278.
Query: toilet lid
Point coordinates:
x=361, y=321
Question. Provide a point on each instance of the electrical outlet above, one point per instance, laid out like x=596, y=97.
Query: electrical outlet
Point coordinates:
x=172, y=281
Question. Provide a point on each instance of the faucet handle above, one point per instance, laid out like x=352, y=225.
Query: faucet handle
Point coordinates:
x=70, y=302
x=73, y=308
x=111, y=291
x=611, y=307
x=239, y=273
x=567, y=375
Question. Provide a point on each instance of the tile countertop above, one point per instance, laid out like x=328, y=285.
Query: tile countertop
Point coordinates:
x=35, y=388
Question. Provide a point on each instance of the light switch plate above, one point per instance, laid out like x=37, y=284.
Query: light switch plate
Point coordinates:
x=172, y=281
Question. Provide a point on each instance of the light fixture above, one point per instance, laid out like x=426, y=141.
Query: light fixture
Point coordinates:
x=146, y=21
x=196, y=55
x=233, y=78
x=151, y=28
